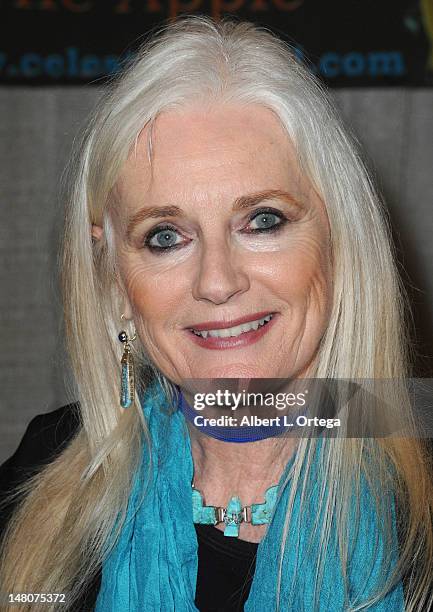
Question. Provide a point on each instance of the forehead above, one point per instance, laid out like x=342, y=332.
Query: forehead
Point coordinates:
x=214, y=150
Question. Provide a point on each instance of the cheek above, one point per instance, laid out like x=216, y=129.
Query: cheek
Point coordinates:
x=299, y=270
x=152, y=300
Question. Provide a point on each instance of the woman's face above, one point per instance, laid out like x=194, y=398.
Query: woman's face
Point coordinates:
x=223, y=227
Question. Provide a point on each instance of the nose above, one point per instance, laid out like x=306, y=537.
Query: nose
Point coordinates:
x=221, y=274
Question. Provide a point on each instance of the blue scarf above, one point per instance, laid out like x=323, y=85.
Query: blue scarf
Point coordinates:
x=153, y=565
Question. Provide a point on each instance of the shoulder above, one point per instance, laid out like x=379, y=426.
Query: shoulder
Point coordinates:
x=44, y=439
x=46, y=435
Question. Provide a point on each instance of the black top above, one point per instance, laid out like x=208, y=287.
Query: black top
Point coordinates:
x=225, y=565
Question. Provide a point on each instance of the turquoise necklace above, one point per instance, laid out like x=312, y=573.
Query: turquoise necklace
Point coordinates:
x=234, y=513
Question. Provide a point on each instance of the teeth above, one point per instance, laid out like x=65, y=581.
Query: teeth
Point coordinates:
x=233, y=331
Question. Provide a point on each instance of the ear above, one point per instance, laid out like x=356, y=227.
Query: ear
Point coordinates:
x=97, y=232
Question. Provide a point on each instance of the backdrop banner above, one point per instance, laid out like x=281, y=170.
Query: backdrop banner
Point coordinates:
x=348, y=43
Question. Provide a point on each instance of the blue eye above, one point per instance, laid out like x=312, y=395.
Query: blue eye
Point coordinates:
x=162, y=238
x=267, y=220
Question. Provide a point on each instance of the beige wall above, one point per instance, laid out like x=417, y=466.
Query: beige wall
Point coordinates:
x=37, y=126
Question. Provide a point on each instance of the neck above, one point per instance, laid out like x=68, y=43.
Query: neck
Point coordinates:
x=222, y=469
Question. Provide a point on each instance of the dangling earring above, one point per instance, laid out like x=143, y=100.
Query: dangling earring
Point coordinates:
x=127, y=377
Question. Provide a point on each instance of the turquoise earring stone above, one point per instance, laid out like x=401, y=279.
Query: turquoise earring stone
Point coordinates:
x=125, y=391
x=127, y=375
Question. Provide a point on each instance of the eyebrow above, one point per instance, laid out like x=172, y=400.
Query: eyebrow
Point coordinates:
x=240, y=203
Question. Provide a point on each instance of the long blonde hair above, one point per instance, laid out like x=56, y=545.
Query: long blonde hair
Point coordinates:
x=58, y=535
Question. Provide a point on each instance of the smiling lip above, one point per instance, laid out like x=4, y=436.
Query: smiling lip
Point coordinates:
x=225, y=324
x=231, y=342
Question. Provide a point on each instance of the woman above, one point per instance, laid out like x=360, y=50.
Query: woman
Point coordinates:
x=214, y=189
